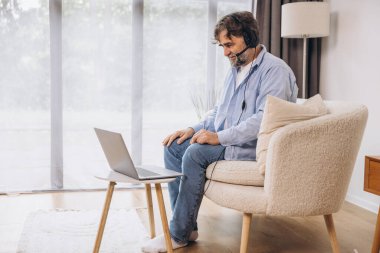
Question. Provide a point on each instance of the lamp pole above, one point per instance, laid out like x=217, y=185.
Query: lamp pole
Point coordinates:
x=304, y=61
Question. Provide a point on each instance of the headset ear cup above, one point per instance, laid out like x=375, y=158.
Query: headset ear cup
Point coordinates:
x=247, y=40
x=252, y=40
x=256, y=41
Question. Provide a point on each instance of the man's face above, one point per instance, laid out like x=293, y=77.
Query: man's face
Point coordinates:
x=233, y=46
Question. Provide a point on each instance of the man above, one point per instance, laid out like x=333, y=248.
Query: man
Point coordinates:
x=230, y=131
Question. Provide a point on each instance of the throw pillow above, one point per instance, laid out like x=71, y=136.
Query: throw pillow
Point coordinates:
x=279, y=113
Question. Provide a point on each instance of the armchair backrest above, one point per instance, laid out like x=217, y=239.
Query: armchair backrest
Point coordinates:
x=309, y=164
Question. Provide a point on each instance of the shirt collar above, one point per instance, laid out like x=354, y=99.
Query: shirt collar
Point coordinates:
x=260, y=57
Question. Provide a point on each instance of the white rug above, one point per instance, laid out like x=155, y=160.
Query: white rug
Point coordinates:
x=74, y=231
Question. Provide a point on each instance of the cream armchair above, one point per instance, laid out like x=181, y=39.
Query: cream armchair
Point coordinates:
x=308, y=170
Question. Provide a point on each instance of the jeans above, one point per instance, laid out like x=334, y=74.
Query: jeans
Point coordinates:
x=186, y=193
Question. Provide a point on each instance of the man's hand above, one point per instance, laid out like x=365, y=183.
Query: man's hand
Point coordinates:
x=182, y=134
x=205, y=137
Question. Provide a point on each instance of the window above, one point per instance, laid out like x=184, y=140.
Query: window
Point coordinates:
x=98, y=43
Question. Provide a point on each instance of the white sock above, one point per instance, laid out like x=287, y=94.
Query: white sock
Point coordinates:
x=193, y=236
x=158, y=244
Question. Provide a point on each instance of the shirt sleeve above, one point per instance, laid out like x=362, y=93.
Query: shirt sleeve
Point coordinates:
x=277, y=82
x=208, y=122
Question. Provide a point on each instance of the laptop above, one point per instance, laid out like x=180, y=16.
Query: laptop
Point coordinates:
x=120, y=161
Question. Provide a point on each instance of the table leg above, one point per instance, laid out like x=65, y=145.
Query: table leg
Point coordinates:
x=376, y=239
x=148, y=191
x=104, y=216
x=164, y=219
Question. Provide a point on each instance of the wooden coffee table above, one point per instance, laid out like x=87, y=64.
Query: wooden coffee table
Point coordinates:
x=113, y=178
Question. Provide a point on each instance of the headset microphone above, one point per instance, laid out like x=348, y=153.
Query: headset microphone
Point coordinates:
x=242, y=52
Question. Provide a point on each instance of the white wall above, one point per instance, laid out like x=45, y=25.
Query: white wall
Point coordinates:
x=350, y=70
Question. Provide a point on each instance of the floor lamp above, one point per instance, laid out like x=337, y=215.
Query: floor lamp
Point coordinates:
x=305, y=20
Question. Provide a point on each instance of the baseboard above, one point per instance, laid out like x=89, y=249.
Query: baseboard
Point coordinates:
x=370, y=206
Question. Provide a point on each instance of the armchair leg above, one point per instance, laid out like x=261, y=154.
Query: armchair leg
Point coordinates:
x=331, y=229
x=247, y=218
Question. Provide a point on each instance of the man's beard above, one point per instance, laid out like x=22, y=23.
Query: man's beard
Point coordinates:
x=240, y=61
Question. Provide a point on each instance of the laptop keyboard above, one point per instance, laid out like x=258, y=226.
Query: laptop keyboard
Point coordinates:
x=146, y=173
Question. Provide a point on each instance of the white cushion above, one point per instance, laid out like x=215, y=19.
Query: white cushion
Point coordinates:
x=235, y=172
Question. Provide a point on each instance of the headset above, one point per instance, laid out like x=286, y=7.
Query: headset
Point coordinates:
x=250, y=37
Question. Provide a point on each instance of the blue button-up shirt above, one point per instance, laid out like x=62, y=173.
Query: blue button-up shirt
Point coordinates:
x=237, y=128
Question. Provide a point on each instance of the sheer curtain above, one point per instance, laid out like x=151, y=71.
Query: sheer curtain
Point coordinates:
x=86, y=46
x=24, y=95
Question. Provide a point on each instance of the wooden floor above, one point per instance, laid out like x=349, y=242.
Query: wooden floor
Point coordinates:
x=219, y=228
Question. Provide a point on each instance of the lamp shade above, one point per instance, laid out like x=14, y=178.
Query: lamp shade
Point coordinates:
x=305, y=19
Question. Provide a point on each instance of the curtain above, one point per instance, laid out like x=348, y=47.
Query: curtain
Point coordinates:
x=268, y=15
